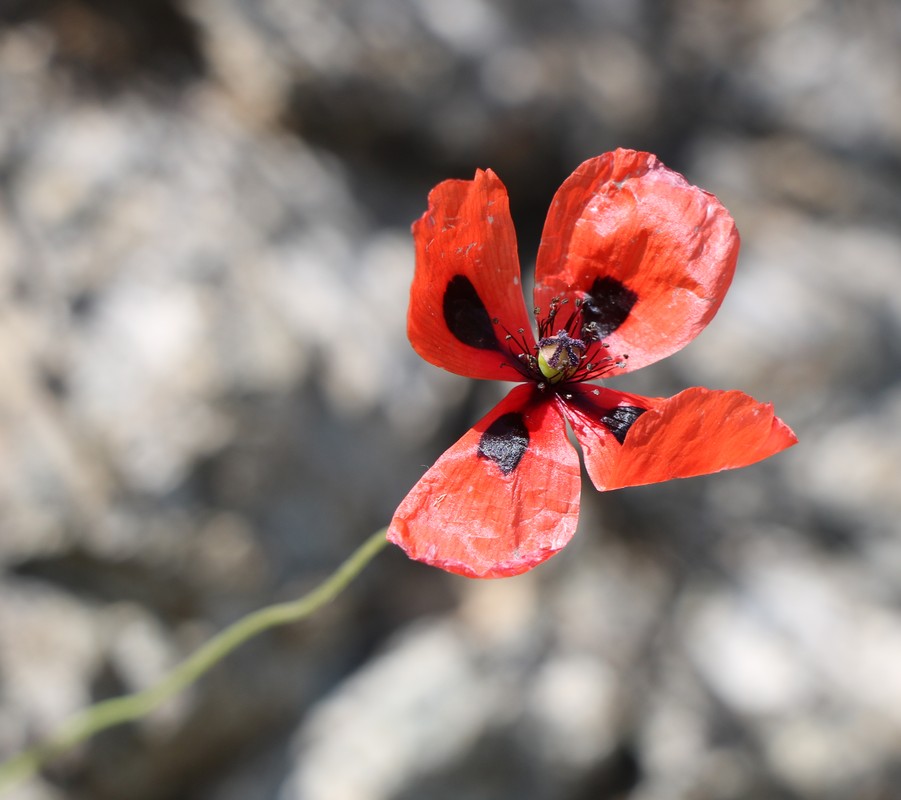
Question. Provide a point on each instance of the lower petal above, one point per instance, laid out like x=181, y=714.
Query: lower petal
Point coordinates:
x=502, y=499
x=696, y=432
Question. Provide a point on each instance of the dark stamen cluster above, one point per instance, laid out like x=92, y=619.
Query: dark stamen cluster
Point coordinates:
x=575, y=349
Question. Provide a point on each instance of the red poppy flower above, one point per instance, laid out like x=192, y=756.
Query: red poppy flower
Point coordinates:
x=634, y=261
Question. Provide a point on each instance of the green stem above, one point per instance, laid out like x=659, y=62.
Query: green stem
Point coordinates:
x=127, y=708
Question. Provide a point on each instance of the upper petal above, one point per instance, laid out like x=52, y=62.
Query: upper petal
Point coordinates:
x=651, y=254
x=696, y=432
x=467, y=293
x=502, y=499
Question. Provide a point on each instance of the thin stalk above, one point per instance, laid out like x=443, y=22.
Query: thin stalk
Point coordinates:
x=130, y=707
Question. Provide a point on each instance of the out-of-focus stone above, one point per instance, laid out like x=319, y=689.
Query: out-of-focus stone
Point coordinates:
x=420, y=704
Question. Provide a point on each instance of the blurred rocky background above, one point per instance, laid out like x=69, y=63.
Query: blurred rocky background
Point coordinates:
x=207, y=401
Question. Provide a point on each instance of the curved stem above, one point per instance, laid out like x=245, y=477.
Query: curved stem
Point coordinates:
x=127, y=708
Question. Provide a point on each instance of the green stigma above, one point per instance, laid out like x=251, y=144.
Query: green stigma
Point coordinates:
x=560, y=356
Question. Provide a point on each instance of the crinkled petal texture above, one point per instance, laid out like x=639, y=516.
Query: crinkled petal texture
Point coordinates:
x=467, y=276
x=696, y=432
x=502, y=499
x=649, y=254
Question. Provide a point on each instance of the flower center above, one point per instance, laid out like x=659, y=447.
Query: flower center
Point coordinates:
x=573, y=354
x=559, y=356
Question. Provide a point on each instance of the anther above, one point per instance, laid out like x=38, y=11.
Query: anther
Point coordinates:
x=591, y=332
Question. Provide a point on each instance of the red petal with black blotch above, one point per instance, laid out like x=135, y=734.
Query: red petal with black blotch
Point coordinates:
x=696, y=432
x=502, y=499
x=650, y=254
x=467, y=275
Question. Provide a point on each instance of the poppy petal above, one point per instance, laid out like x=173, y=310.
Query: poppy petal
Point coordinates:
x=502, y=499
x=649, y=254
x=467, y=294
x=696, y=432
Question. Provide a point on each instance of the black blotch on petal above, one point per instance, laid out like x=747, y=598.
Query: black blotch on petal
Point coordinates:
x=618, y=420
x=466, y=315
x=505, y=441
x=608, y=304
